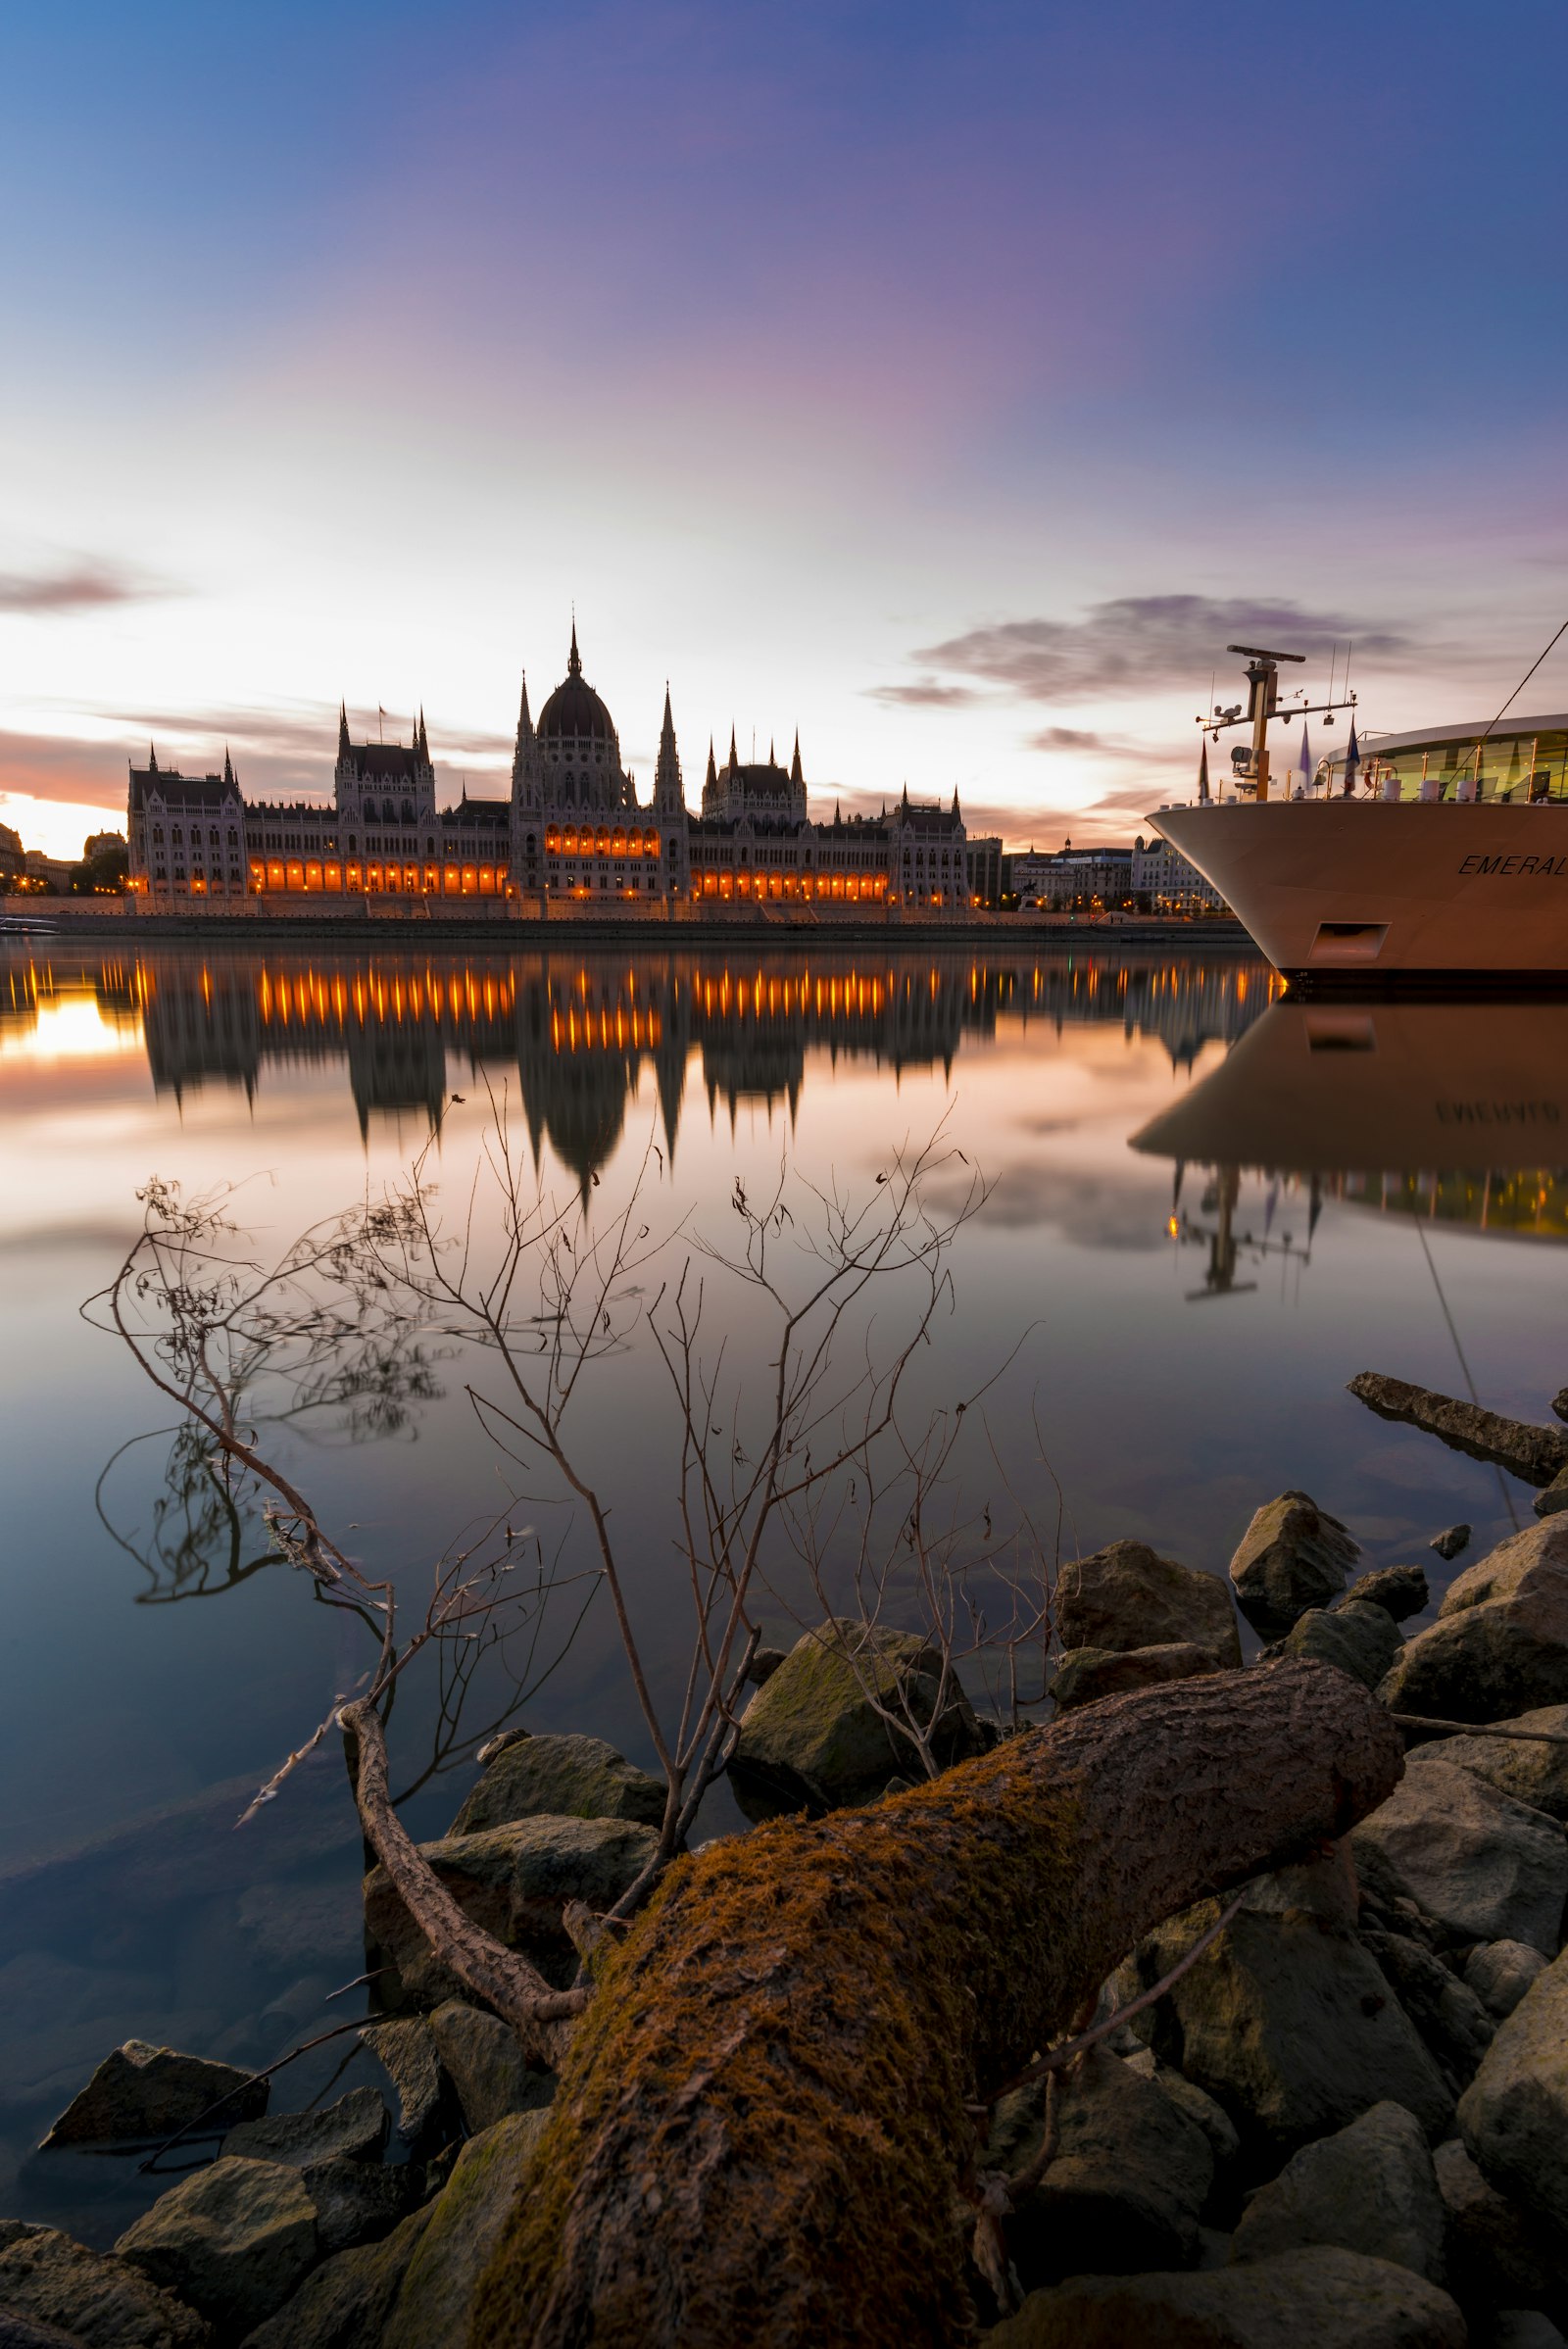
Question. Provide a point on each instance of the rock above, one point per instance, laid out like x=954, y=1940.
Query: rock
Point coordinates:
x=1446, y=2011
x=26, y=2332
x=1500, y=1646
x=1501, y=1972
x=1450, y=1542
x=1399, y=1591
x=1520, y=2329
x=358, y=2202
x=813, y=1738
x=485, y=2065
x=1294, y=1555
x=1486, y=1867
x=1531, y=1770
x=1323, y=2298
x=1194, y=2105
x=1496, y=2254
x=560, y=1777
x=1087, y=1674
x=1370, y=2187
x=346, y=2304
x=1514, y=2115
x=233, y=2240
x=1289, y=2022
x=1130, y=2176
x=1127, y=1596
x=1554, y=1499
x=466, y=2219
x=94, y=2297
x=1534, y=1453
x=515, y=1881
x=142, y=2091
x=355, y=2128
x=1360, y=1639
x=407, y=2052
x=1559, y=1403
x=765, y=1662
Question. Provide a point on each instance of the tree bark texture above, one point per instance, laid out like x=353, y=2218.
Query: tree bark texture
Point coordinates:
x=1537, y=1455
x=760, y=2135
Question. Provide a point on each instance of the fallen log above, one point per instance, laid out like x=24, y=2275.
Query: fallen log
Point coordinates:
x=1537, y=1455
x=761, y=2134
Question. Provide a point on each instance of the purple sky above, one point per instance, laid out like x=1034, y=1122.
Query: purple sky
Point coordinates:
x=951, y=382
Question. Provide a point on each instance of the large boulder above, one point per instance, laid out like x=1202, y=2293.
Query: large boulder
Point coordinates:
x=486, y=2066
x=1399, y=1591
x=1289, y=2022
x=233, y=2240
x=1514, y=2115
x=562, y=1777
x=1323, y=2298
x=18, y=2331
x=141, y=2092
x=464, y=2221
x=1087, y=1674
x=1127, y=1596
x=1497, y=2256
x=1294, y=1555
x=407, y=2052
x=354, y=2129
x=1532, y=1770
x=1500, y=1646
x=1370, y=2187
x=1130, y=2176
x=515, y=1881
x=98, y=2299
x=1360, y=1639
x=347, y=2301
x=817, y=1735
x=1483, y=1866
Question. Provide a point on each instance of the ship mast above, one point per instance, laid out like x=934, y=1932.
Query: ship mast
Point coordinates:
x=1262, y=704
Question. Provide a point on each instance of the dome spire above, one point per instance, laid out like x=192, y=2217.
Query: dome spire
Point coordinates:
x=574, y=658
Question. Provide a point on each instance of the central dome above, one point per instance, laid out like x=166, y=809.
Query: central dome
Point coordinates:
x=574, y=708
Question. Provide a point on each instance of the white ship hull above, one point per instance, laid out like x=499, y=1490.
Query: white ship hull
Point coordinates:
x=1380, y=890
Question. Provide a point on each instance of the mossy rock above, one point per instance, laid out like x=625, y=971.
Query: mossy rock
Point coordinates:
x=465, y=2219
x=560, y=1776
x=813, y=1738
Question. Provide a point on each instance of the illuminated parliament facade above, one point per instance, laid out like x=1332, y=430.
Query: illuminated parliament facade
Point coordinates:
x=570, y=830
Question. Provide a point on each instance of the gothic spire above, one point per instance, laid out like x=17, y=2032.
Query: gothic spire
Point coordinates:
x=342, y=730
x=574, y=658
x=796, y=776
x=525, y=720
x=421, y=741
x=955, y=798
x=152, y=760
x=711, y=783
x=229, y=770
x=668, y=792
x=733, y=761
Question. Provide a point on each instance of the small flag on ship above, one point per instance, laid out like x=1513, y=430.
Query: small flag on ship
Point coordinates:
x=1203, y=774
x=1352, y=759
x=1304, y=763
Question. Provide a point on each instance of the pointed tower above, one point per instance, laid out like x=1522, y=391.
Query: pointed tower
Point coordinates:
x=342, y=732
x=956, y=817
x=527, y=787
x=574, y=658
x=734, y=764
x=669, y=798
x=796, y=776
x=152, y=760
x=228, y=769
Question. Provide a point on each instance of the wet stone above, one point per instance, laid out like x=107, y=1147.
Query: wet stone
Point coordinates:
x=141, y=2092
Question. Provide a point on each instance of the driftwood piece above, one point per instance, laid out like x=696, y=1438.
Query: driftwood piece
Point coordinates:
x=1538, y=1454
x=541, y=2016
x=760, y=2130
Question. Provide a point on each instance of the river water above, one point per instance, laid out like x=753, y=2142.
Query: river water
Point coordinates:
x=1206, y=1209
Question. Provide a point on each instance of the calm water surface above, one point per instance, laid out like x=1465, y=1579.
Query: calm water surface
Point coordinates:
x=1209, y=1208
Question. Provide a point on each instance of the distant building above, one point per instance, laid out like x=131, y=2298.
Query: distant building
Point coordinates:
x=54, y=873
x=103, y=844
x=1164, y=882
x=570, y=827
x=1149, y=877
x=13, y=862
x=983, y=862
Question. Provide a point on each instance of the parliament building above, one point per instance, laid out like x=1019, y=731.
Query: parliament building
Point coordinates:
x=571, y=831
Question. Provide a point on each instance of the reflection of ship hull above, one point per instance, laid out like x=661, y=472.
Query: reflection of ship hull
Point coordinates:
x=1462, y=1108
x=1369, y=889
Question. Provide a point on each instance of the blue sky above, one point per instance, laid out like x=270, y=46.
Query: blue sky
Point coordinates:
x=950, y=382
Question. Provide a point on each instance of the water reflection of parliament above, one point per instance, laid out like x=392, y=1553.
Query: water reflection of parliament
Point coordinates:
x=583, y=1031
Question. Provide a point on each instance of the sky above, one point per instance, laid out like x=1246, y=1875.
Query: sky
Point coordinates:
x=951, y=383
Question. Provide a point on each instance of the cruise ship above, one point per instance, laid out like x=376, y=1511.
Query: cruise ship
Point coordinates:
x=1438, y=856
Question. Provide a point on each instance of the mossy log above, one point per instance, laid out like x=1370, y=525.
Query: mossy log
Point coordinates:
x=760, y=2130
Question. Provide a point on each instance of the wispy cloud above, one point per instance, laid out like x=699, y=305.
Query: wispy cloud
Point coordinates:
x=927, y=693
x=1140, y=645
x=74, y=587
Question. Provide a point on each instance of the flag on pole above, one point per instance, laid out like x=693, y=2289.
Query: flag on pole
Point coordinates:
x=1203, y=774
x=1352, y=759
